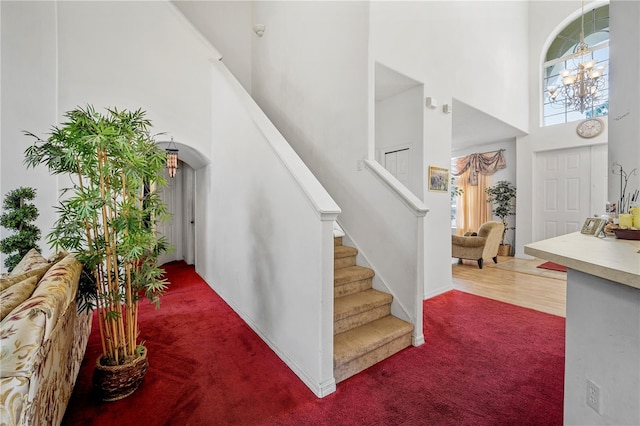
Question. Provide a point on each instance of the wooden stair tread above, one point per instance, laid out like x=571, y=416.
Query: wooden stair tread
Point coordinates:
x=359, y=341
x=356, y=303
x=344, y=251
x=351, y=273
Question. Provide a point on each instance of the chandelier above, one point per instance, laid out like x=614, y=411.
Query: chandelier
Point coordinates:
x=582, y=86
x=172, y=159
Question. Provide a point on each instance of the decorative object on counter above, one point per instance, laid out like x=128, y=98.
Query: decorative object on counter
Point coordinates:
x=626, y=198
x=635, y=214
x=593, y=226
x=627, y=234
x=625, y=221
x=18, y=215
x=108, y=220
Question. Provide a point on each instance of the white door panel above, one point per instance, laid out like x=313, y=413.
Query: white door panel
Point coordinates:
x=170, y=228
x=402, y=166
x=397, y=163
x=561, y=191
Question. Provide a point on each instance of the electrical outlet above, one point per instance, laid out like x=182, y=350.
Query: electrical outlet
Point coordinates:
x=593, y=396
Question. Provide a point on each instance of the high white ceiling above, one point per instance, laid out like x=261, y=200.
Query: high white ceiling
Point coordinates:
x=390, y=82
x=473, y=127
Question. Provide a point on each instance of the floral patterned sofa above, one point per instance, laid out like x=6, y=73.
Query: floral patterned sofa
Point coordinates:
x=42, y=339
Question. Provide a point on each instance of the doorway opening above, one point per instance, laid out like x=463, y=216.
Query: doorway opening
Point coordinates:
x=181, y=228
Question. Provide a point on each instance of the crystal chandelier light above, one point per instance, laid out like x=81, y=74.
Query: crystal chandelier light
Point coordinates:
x=581, y=86
x=172, y=159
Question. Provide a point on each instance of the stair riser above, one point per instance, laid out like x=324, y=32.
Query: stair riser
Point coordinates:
x=353, y=321
x=344, y=262
x=351, y=288
x=337, y=241
x=344, y=371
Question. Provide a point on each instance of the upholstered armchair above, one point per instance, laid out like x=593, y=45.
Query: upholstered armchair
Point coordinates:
x=484, y=245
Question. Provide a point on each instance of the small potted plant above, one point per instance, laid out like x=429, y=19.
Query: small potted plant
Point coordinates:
x=503, y=195
x=18, y=215
x=107, y=219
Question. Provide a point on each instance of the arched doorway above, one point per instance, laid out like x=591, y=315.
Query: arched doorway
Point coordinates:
x=179, y=197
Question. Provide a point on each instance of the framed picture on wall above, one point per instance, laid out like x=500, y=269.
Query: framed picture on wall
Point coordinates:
x=438, y=179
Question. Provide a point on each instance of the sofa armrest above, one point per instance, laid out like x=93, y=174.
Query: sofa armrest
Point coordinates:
x=13, y=403
x=21, y=337
x=457, y=240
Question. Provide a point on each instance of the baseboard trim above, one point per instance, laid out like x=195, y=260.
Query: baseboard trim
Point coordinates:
x=417, y=340
x=438, y=291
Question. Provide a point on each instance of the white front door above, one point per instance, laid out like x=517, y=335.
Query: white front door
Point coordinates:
x=397, y=162
x=561, y=191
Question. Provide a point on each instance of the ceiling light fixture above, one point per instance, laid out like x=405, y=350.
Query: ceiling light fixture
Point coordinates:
x=582, y=86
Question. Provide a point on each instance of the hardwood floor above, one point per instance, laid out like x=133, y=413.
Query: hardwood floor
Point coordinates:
x=515, y=281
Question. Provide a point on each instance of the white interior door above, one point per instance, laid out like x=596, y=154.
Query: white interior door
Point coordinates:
x=170, y=228
x=397, y=162
x=188, y=208
x=562, y=199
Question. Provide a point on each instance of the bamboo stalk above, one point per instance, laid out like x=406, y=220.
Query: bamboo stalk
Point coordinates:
x=127, y=277
x=110, y=266
x=122, y=307
x=102, y=314
x=96, y=271
x=135, y=319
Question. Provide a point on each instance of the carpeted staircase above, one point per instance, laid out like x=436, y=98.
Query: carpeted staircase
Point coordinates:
x=364, y=330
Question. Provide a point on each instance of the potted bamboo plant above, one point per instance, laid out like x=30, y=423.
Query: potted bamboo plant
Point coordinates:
x=107, y=218
x=503, y=195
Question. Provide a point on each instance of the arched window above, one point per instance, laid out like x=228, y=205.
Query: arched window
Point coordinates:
x=559, y=58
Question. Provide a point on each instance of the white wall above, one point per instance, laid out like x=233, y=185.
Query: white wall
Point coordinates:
x=28, y=101
x=603, y=346
x=228, y=24
x=59, y=55
x=399, y=126
x=164, y=69
x=473, y=51
x=270, y=236
x=624, y=112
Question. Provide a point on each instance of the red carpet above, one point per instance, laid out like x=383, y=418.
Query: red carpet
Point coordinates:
x=483, y=363
x=553, y=266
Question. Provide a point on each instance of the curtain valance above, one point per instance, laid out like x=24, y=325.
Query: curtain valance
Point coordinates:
x=486, y=163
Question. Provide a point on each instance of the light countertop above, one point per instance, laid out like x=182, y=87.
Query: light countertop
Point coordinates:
x=609, y=258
